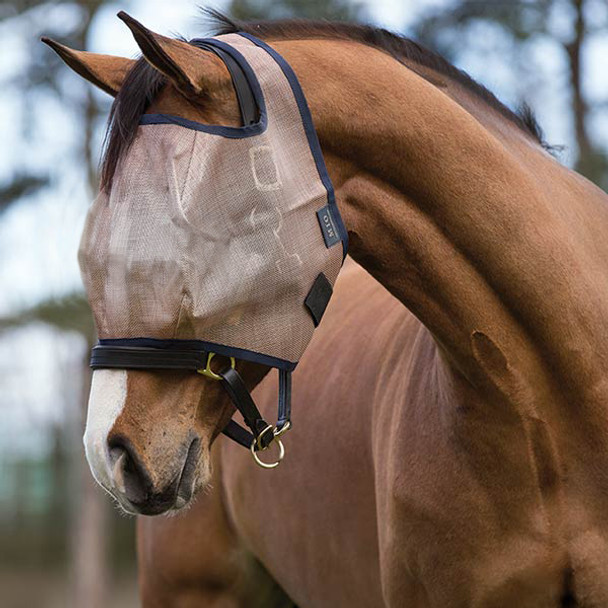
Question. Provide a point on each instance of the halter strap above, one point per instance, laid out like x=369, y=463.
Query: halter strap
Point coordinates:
x=241, y=397
x=243, y=402
x=143, y=357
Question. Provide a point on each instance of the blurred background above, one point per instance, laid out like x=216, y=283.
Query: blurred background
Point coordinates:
x=62, y=543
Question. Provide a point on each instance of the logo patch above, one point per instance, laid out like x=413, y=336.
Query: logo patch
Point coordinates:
x=328, y=228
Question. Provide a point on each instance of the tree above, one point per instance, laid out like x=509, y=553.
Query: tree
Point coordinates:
x=21, y=185
x=336, y=10
x=42, y=74
x=568, y=26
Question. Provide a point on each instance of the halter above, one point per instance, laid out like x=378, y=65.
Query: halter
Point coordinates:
x=261, y=434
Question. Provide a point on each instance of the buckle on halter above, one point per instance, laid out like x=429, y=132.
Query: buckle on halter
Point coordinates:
x=207, y=371
x=256, y=446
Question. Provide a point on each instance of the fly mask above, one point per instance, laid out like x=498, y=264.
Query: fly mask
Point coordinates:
x=218, y=240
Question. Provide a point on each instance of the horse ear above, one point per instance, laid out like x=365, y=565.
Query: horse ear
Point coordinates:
x=190, y=69
x=104, y=71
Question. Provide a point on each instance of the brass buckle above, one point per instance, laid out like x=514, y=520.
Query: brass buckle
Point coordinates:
x=207, y=371
x=256, y=443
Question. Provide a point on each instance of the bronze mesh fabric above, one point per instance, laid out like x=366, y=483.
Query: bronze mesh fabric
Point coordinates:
x=213, y=238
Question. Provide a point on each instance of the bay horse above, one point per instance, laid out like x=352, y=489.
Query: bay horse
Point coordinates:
x=451, y=438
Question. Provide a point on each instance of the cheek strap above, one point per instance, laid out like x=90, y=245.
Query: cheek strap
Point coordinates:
x=244, y=403
x=262, y=434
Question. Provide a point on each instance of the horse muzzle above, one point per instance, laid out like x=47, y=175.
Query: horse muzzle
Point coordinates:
x=148, y=468
x=135, y=488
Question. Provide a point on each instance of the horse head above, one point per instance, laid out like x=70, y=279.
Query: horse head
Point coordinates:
x=214, y=243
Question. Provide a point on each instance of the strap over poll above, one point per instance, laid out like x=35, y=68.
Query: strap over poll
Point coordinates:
x=218, y=239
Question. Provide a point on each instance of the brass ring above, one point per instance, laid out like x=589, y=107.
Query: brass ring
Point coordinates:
x=207, y=371
x=261, y=463
x=284, y=429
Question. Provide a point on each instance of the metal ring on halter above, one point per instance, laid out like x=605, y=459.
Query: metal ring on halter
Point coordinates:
x=255, y=443
x=207, y=371
x=284, y=429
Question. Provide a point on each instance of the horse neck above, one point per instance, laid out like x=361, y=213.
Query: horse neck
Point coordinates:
x=463, y=217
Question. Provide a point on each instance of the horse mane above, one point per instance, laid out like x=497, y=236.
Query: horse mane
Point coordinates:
x=143, y=82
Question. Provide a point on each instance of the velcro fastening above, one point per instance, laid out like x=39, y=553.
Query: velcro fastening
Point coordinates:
x=318, y=298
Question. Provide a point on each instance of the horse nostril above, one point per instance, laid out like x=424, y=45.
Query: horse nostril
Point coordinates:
x=133, y=481
x=130, y=476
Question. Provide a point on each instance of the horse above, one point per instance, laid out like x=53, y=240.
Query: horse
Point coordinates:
x=451, y=438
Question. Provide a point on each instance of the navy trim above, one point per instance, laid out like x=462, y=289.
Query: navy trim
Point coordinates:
x=244, y=94
x=311, y=134
x=220, y=349
x=223, y=131
x=230, y=132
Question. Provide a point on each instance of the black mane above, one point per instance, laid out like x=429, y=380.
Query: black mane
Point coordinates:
x=143, y=82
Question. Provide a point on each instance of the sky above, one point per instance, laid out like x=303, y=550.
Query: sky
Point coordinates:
x=39, y=237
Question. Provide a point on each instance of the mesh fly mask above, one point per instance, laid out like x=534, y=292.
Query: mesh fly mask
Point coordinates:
x=218, y=240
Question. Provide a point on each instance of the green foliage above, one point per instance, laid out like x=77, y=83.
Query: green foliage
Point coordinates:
x=42, y=74
x=69, y=313
x=335, y=10
x=43, y=67
x=567, y=25
x=444, y=29
x=20, y=186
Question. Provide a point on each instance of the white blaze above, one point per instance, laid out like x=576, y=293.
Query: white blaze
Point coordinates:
x=107, y=399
